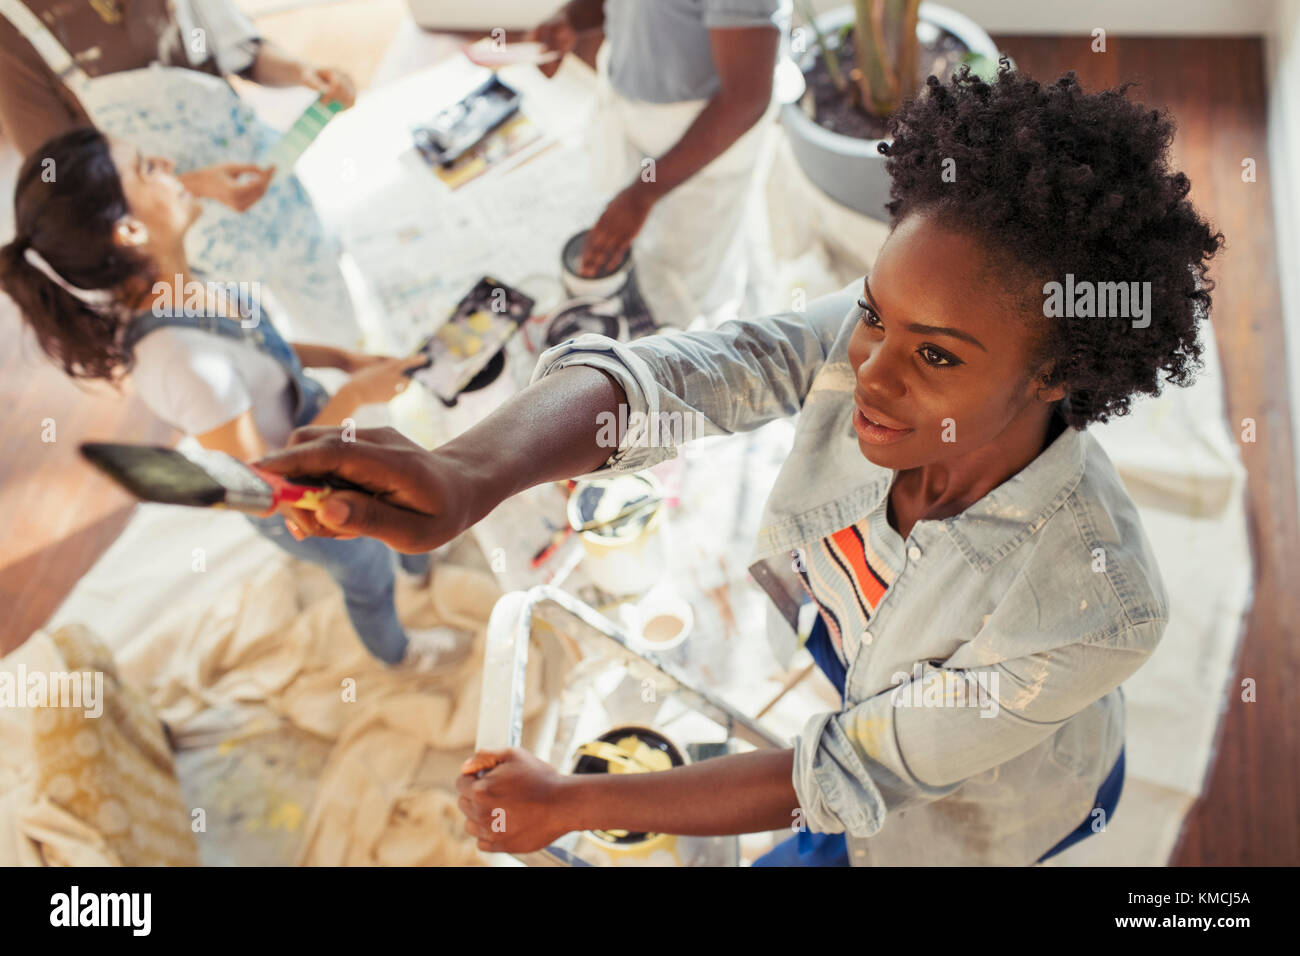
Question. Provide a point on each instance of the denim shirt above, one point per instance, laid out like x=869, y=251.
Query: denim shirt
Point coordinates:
x=982, y=702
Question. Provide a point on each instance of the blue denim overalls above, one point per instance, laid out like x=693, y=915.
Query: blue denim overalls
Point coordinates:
x=362, y=567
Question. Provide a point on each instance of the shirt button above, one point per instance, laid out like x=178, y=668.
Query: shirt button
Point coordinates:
x=914, y=553
x=867, y=637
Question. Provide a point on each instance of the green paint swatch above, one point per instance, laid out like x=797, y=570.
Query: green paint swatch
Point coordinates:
x=300, y=135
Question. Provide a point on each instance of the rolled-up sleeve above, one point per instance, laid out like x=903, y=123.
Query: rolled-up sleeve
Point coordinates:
x=901, y=748
x=635, y=451
x=686, y=385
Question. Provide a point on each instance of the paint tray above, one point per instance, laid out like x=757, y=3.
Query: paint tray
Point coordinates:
x=603, y=684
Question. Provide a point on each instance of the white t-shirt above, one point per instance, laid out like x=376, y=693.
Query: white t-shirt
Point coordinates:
x=197, y=381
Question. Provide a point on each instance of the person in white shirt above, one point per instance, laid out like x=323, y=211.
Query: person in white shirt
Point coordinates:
x=684, y=99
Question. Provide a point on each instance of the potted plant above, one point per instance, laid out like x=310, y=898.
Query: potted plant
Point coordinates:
x=868, y=58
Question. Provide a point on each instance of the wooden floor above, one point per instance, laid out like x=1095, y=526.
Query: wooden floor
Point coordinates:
x=60, y=517
x=1215, y=90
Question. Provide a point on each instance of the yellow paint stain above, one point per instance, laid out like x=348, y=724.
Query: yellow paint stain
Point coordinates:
x=283, y=816
x=869, y=732
x=287, y=816
x=254, y=729
x=1025, y=696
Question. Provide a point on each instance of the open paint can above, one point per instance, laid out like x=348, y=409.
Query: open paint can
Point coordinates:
x=603, y=286
x=626, y=551
x=630, y=749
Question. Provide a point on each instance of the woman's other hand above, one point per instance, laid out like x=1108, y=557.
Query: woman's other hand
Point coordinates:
x=380, y=379
x=277, y=67
x=555, y=34
x=353, y=362
x=519, y=804
x=237, y=185
x=612, y=235
x=334, y=85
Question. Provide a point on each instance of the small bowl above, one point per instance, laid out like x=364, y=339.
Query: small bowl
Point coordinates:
x=658, y=609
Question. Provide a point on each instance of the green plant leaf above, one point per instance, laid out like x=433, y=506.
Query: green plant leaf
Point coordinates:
x=828, y=52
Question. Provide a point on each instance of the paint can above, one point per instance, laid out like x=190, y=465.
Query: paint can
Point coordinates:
x=627, y=555
x=603, y=286
x=630, y=749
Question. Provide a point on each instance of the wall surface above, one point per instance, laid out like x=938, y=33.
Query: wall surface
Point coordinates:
x=1188, y=17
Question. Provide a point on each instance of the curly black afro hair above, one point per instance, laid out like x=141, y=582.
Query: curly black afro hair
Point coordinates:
x=1053, y=180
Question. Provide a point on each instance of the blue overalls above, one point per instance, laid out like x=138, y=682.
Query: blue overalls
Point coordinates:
x=362, y=567
x=831, y=849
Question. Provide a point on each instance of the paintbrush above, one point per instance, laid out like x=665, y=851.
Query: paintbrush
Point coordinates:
x=634, y=508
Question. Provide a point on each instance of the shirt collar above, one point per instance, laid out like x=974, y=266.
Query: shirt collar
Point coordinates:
x=998, y=523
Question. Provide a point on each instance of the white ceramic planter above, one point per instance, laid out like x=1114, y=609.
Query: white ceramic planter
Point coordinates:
x=850, y=170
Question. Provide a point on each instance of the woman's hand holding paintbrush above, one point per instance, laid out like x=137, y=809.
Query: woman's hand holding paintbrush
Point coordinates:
x=419, y=499
x=414, y=500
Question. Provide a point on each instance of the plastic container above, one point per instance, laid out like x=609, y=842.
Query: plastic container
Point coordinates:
x=627, y=556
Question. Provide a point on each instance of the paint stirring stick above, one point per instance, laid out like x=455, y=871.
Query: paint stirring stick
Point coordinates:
x=300, y=135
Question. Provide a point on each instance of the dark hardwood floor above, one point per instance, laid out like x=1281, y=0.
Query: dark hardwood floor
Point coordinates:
x=1215, y=90
x=59, y=515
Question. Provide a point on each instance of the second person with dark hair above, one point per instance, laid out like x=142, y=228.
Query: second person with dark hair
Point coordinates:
x=99, y=272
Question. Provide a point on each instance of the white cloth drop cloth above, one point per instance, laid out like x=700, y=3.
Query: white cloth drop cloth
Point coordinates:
x=298, y=746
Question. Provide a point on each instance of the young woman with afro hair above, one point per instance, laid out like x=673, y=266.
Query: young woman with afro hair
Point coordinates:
x=981, y=581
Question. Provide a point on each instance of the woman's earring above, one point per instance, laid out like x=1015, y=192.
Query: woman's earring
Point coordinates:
x=131, y=232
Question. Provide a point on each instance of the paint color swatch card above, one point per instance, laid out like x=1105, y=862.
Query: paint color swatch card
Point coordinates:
x=300, y=135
